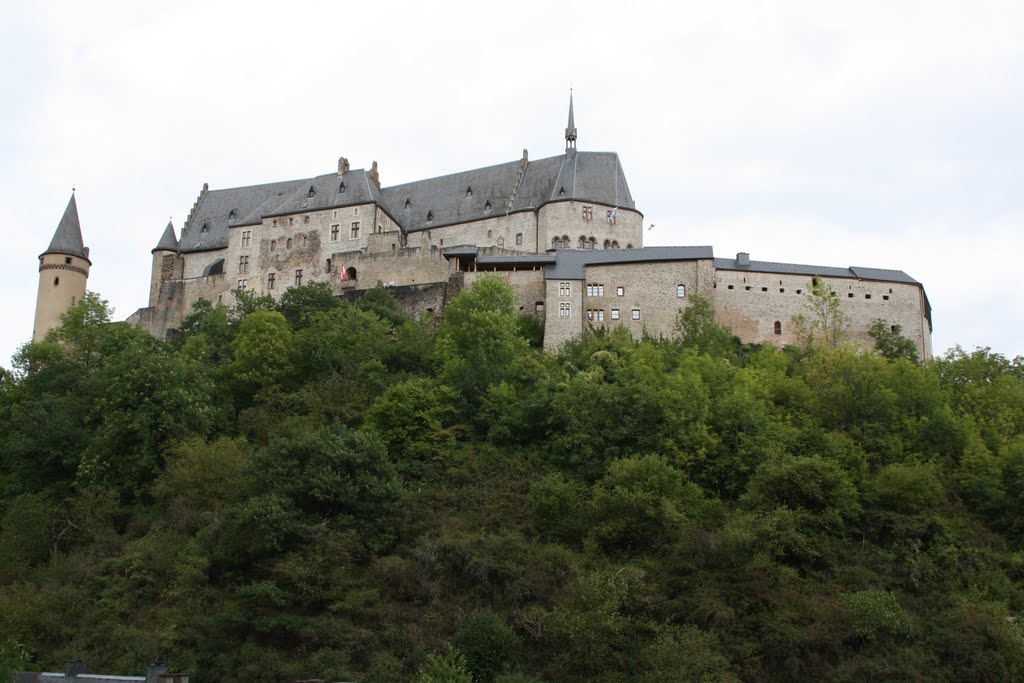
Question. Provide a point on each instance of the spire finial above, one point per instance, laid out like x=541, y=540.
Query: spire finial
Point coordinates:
x=570, y=130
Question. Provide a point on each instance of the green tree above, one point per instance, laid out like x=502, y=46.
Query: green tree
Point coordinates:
x=299, y=303
x=825, y=320
x=696, y=328
x=890, y=342
x=449, y=667
x=261, y=351
x=490, y=646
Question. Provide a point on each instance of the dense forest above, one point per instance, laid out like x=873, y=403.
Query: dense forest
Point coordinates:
x=311, y=488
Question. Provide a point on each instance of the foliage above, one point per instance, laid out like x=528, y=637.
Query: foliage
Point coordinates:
x=825, y=321
x=890, y=342
x=319, y=489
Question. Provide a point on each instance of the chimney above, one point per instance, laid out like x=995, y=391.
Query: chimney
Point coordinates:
x=342, y=165
x=72, y=669
x=743, y=259
x=374, y=176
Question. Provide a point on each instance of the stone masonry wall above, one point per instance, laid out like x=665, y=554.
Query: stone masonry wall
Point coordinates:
x=567, y=218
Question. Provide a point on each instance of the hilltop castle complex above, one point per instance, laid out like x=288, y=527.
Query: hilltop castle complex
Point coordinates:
x=563, y=231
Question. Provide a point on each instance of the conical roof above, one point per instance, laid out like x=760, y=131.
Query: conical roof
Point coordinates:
x=67, y=239
x=570, y=130
x=168, y=241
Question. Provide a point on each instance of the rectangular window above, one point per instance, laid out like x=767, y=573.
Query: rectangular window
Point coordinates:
x=591, y=314
x=600, y=290
x=243, y=264
x=246, y=237
x=636, y=314
x=615, y=314
x=519, y=238
x=588, y=213
x=563, y=310
x=564, y=289
x=680, y=291
x=298, y=277
x=620, y=291
x=270, y=280
x=242, y=284
x=335, y=229
x=353, y=233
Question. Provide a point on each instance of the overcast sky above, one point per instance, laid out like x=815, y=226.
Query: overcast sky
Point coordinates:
x=885, y=134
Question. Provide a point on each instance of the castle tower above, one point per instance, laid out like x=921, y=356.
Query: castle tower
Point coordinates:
x=570, y=130
x=63, y=271
x=166, y=264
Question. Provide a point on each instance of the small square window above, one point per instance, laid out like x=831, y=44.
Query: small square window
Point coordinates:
x=680, y=291
x=732, y=286
x=636, y=314
x=620, y=291
x=615, y=314
x=67, y=260
x=519, y=238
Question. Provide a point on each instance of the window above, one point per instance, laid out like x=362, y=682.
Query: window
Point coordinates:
x=335, y=229
x=242, y=284
x=246, y=237
x=867, y=296
x=56, y=281
x=595, y=314
x=732, y=286
x=487, y=206
x=636, y=314
x=615, y=314
x=204, y=229
x=288, y=243
x=778, y=328
x=355, y=211
x=581, y=243
x=538, y=308
x=298, y=277
x=305, y=219
x=501, y=241
x=620, y=291
x=305, y=240
x=328, y=265
x=243, y=264
x=273, y=245
x=885, y=297
x=353, y=232
x=270, y=280
x=488, y=234
x=275, y=222
x=592, y=243
x=563, y=310
x=588, y=213
x=291, y=221
x=564, y=289
x=595, y=290
x=680, y=291
x=519, y=238
x=67, y=260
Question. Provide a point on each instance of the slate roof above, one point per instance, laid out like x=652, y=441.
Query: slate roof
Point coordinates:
x=571, y=263
x=420, y=205
x=168, y=241
x=855, y=272
x=67, y=238
x=464, y=196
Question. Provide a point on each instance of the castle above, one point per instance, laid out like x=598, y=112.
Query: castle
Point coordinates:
x=563, y=231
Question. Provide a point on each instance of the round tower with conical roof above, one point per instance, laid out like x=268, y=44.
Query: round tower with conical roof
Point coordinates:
x=166, y=264
x=63, y=272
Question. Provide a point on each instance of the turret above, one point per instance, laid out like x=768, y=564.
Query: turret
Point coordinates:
x=166, y=263
x=63, y=272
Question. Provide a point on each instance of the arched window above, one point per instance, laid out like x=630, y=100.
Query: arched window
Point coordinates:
x=581, y=243
x=565, y=241
x=680, y=291
x=501, y=241
x=629, y=246
x=556, y=242
x=615, y=244
x=778, y=327
x=607, y=244
x=350, y=273
x=592, y=243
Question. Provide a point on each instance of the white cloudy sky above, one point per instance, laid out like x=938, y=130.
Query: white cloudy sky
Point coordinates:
x=886, y=134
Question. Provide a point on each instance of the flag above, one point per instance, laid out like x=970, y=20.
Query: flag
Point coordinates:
x=651, y=227
x=344, y=275
x=611, y=214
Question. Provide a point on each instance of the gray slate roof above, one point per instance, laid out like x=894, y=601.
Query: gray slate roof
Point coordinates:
x=420, y=205
x=168, y=241
x=67, y=238
x=855, y=272
x=571, y=264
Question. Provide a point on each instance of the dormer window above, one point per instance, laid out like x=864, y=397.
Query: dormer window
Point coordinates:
x=312, y=190
x=469, y=192
x=341, y=188
x=487, y=206
x=561, y=192
x=408, y=203
x=430, y=216
x=231, y=215
x=205, y=228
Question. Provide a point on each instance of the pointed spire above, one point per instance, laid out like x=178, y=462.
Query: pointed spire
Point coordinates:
x=67, y=239
x=570, y=130
x=168, y=241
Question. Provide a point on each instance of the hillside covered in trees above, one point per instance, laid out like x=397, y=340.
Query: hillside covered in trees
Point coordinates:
x=312, y=488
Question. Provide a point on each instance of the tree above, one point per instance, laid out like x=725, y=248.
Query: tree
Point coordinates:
x=261, y=353
x=890, y=342
x=298, y=303
x=449, y=667
x=825, y=319
x=490, y=646
x=697, y=329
